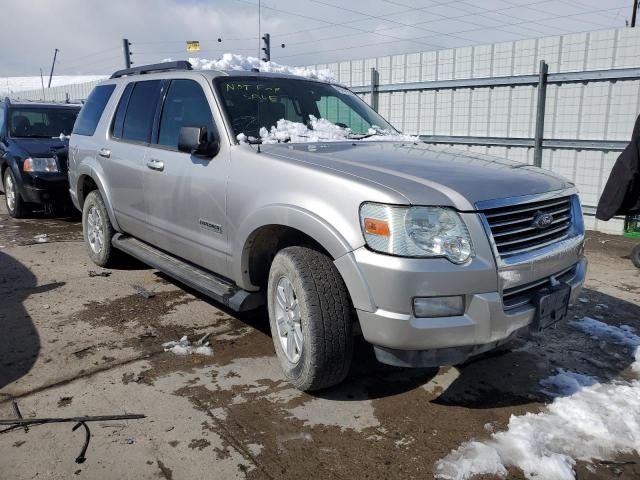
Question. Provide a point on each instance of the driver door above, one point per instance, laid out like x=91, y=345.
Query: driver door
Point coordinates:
x=185, y=195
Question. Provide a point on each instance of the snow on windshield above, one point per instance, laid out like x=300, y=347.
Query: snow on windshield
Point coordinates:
x=322, y=130
x=231, y=61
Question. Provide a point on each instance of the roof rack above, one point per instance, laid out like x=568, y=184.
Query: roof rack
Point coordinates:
x=156, y=67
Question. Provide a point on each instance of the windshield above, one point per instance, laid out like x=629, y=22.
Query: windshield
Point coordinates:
x=299, y=101
x=41, y=122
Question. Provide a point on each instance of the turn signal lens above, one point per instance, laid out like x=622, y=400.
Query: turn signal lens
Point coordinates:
x=373, y=226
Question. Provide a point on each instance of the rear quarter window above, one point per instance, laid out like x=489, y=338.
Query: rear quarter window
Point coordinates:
x=91, y=112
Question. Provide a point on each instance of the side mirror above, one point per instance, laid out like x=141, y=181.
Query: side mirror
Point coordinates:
x=196, y=141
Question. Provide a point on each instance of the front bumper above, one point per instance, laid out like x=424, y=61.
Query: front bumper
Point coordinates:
x=43, y=188
x=404, y=340
x=382, y=288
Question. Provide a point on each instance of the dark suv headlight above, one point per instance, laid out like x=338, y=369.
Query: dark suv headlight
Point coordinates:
x=40, y=164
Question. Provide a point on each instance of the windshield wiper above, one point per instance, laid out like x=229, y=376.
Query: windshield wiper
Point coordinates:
x=360, y=136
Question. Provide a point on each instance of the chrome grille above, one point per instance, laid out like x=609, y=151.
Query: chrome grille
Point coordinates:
x=513, y=226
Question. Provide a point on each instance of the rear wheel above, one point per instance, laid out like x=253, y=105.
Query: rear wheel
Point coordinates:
x=97, y=230
x=16, y=206
x=310, y=318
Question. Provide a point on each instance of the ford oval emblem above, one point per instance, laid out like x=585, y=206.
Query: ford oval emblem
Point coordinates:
x=542, y=220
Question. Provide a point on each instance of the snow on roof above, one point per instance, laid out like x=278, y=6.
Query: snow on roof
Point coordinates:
x=233, y=62
x=597, y=421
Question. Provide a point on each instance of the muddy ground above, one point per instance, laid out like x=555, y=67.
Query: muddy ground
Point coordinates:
x=73, y=343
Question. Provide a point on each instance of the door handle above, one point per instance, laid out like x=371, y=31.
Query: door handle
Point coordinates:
x=104, y=152
x=154, y=164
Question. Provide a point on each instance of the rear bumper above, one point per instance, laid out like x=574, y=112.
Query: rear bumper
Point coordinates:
x=404, y=340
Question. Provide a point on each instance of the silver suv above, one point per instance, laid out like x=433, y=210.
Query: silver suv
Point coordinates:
x=433, y=254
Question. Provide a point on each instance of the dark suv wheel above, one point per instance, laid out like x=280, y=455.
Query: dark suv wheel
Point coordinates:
x=310, y=317
x=16, y=206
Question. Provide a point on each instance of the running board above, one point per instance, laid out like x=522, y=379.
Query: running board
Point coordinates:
x=209, y=284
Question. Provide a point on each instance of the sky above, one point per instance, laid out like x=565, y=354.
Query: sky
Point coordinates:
x=89, y=33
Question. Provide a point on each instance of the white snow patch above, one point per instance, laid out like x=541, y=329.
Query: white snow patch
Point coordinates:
x=322, y=130
x=566, y=383
x=233, y=62
x=622, y=335
x=596, y=422
x=185, y=347
x=41, y=238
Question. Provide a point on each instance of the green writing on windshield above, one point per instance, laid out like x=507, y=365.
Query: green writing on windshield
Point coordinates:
x=254, y=92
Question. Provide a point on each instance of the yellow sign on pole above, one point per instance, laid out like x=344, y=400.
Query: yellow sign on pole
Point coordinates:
x=193, y=46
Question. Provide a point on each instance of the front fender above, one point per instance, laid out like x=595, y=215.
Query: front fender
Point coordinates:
x=92, y=169
x=290, y=216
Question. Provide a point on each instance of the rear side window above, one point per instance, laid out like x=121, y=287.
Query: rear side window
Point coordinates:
x=91, y=112
x=1, y=121
x=184, y=106
x=138, y=120
x=118, y=119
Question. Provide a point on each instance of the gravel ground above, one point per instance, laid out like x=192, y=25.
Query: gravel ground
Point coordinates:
x=76, y=343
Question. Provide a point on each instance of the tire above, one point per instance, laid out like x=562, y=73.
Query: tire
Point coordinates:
x=98, y=231
x=635, y=256
x=324, y=318
x=16, y=206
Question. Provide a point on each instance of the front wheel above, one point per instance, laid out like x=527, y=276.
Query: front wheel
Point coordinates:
x=97, y=230
x=310, y=317
x=16, y=206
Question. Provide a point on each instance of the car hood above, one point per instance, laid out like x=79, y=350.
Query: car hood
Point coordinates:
x=43, y=147
x=424, y=174
x=37, y=147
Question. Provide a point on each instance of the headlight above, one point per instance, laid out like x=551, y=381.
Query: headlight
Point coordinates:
x=416, y=231
x=46, y=164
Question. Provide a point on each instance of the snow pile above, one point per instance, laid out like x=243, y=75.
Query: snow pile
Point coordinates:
x=566, y=383
x=596, y=422
x=322, y=130
x=185, y=347
x=231, y=61
x=622, y=335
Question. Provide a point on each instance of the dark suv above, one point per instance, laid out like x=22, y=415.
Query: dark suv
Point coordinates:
x=33, y=154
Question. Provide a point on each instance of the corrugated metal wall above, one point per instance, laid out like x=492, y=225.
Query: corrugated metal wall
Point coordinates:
x=592, y=111
x=77, y=91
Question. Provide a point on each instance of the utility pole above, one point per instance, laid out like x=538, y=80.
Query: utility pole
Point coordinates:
x=634, y=14
x=127, y=52
x=266, y=39
x=42, y=83
x=55, y=54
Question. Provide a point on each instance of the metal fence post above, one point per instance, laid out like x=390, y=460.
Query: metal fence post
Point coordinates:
x=374, y=88
x=542, y=100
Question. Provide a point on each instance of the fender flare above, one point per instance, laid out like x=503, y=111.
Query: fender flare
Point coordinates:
x=96, y=174
x=289, y=216
x=316, y=228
